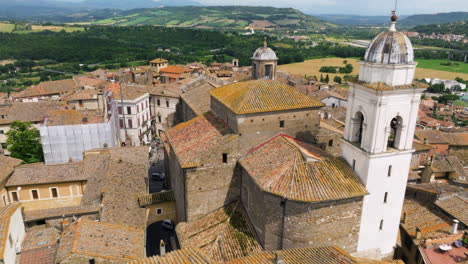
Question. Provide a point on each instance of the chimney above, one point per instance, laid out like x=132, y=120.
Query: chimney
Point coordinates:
x=403, y=219
x=162, y=248
x=455, y=226
x=418, y=233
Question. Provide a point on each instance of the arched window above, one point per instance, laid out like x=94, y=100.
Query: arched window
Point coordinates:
x=395, y=133
x=357, y=127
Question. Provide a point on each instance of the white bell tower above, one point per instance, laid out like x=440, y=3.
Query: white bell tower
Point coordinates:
x=378, y=139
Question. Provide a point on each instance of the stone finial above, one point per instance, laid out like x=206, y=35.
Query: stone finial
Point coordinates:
x=265, y=42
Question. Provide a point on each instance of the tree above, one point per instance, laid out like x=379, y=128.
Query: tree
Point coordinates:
x=327, y=79
x=24, y=142
x=337, y=79
x=321, y=78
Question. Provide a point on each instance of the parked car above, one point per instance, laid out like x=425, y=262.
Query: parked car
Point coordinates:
x=167, y=224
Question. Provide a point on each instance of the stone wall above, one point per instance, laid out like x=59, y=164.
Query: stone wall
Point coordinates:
x=285, y=224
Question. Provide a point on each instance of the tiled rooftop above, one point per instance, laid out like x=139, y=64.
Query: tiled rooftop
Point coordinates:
x=7, y=166
x=126, y=92
x=198, y=98
x=35, y=215
x=456, y=206
x=87, y=94
x=40, y=237
x=31, y=112
x=457, y=139
x=432, y=223
x=48, y=88
x=224, y=234
x=44, y=255
x=194, y=139
x=39, y=173
x=262, y=96
x=74, y=117
x=384, y=87
x=433, y=136
x=101, y=240
x=158, y=60
x=298, y=171
x=182, y=256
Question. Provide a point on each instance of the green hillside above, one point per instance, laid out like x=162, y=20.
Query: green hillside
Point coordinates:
x=230, y=17
x=438, y=18
x=459, y=28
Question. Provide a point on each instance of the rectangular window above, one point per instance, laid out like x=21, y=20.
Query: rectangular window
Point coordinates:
x=167, y=103
x=385, y=197
x=138, y=108
x=4, y=200
x=54, y=192
x=119, y=109
x=130, y=123
x=14, y=196
x=225, y=158
x=35, y=194
x=129, y=110
x=389, y=173
x=138, y=121
x=1, y=132
x=281, y=123
x=159, y=211
x=80, y=102
x=159, y=119
x=381, y=225
x=354, y=164
x=121, y=123
x=158, y=102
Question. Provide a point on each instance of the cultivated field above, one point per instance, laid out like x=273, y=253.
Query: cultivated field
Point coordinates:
x=6, y=27
x=312, y=67
x=456, y=66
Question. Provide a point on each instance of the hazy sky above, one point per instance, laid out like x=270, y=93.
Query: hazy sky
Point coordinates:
x=365, y=7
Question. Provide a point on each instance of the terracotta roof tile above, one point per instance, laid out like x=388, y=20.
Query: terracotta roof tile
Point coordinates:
x=31, y=112
x=433, y=136
x=7, y=166
x=35, y=215
x=158, y=60
x=74, y=117
x=101, y=240
x=224, y=234
x=182, y=256
x=455, y=206
x=172, y=69
x=262, y=96
x=193, y=140
x=457, y=139
x=44, y=255
x=48, y=88
x=384, y=87
x=40, y=237
x=87, y=94
x=39, y=173
x=298, y=171
x=198, y=98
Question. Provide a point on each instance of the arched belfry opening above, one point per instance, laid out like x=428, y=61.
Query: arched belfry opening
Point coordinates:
x=394, y=136
x=357, y=127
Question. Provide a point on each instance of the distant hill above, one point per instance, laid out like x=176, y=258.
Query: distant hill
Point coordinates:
x=42, y=10
x=439, y=18
x=458, y=28
x=355, y=20
x=236, y=17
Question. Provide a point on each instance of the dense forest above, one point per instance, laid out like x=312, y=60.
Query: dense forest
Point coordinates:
x=126, y=44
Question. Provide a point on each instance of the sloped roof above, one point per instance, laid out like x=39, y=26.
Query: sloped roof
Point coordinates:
x=198, y=98
x=89, y=81
x=433, y=224
x=312, y=255
x=158, y=60
x=455, y=206
x=40, y=237
x=421, y=146
x=7, y=166
x=102, y=240
x=287, y=167
x=262, y=96
x=433, y=136
x=126, y=92
x=194, y=139
x=35, y=215
x=172, y=69
x=74, y=117
x=224, y=234
x=87, y=94
x=457, y=139
x=186, y=255
x=48, y=88
x=31, y=112
x=39, y=173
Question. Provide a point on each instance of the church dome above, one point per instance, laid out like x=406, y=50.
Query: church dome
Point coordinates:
x=390, y=47
x=264, y=53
